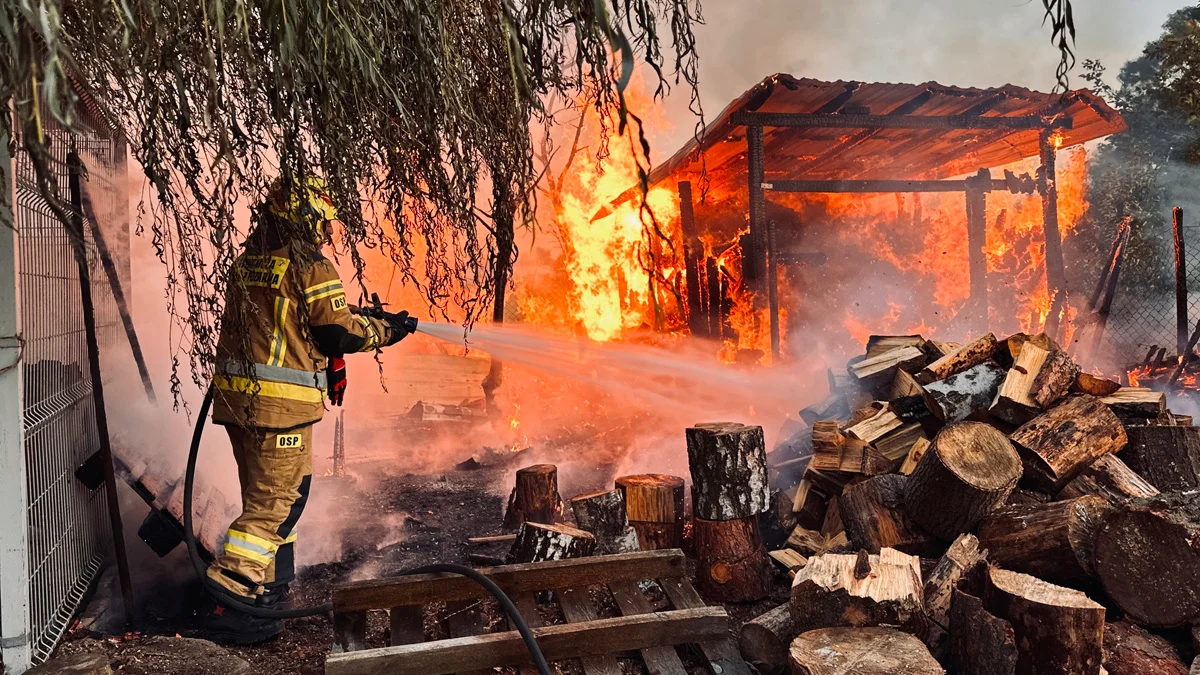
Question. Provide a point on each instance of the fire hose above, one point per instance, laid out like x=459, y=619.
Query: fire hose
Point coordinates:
x=230, y=601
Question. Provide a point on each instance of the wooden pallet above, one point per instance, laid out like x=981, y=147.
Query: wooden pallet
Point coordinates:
x=594, y=641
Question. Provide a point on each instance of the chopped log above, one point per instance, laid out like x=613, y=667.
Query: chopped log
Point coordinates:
x=789, y=559
x=834, y=452
x=535, y=497
x=1137, y=402
x=840, y=380
x=764, y=640
x=1167, y=457
x=882, y=367
x=825, y=592
x=865, y=412
x=809, y=504
x=876, y=426
x=731, y=562
x=1015, y=343
x=603, y=514
x=1111, y=478
x=1053, y=541
x=904, y=384
x=828, y=482
x=860, y=651
x=1131, y=650
x=959, y=396
x=828, y=443
x=1038, y=378
x=980, y=642
x=833, y=406
x=968, y=470
x=1095, y=386
x=873, y=515
x=895, y=446
x=808, y=542
x=537, y=542
x=833, y=519
x=1022, y=497
x=880, y=344
x=728, y=462
x=964, y=554
x=915, y=453
x=1058, y=630
x=1055, y=378
x=963, y=358
x=654, y=504
x=777, y=523
x=1060, y=443
x=1148, y=558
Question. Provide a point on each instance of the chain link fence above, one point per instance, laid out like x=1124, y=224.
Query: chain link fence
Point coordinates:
x=1143, y=311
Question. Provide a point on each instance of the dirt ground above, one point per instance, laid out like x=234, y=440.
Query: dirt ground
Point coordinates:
x=438, y=512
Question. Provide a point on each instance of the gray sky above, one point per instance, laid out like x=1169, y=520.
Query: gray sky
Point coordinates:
x=979, y=43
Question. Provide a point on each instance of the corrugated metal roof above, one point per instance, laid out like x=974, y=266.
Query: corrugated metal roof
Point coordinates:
x=844, y=154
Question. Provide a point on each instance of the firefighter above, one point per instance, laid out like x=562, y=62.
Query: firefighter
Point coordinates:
x=286, y=327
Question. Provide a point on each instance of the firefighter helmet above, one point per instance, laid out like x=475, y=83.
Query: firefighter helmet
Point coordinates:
x=305, y=202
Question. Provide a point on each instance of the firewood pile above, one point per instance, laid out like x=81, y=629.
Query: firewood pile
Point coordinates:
x=986, y=508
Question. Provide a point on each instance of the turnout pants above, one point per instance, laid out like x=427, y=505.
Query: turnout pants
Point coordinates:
x=275, y=471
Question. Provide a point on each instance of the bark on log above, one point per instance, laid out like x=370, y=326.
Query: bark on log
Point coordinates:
x=968, y=470
x=964, y=554
x=872, y=513
x=1038, y=378
x=880, y=344
x=1054, y=541
x=1111, y=478
x=732, y=564
x=535, y=497
x=1131, y=650
x=881, y=368
x=860, y=651
x=603, y=514
x=1137, y=402
x=1060, y=443
x=966, y=356
x=542, y=541
x=1167, y=457
x=980, y=642
x=1095, y=386
x=915, y=453
x=1148, y=558
x=1058, y=630
x=809, y=504
x=764, y=640
x=654, y=505
x=826, y=592
x=728, y=463
x=957, y=397
x=832, y=407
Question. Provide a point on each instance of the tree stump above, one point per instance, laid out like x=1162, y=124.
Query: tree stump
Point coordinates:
x=830, y=591
x=1058, y=630
x=968, y=470
x=765, y=640
x=1054, y=541
x=535, y=497
x=1148, y=558
x=654, y=505
x=860, y=651
x=1168, y=457
x=1058, y=444
x=728, y=463
x=1131, y=650
x=872, y=513
x=963, y=555
x=536, y=542
x=732, y=564
x=1111, y=478
x=959, y=396
x=603, y=514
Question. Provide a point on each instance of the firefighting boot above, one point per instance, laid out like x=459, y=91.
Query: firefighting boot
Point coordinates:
x=224, y=624
x=275, y=596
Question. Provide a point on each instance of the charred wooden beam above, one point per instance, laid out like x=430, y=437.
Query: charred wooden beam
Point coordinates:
x=692, y=250
x=853, y=121
x=1056, y=276
x=976, y=242
x=753, y=267
x=1181, y=304
x=867, y=186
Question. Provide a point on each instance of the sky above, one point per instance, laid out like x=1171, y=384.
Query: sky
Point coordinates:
x=970, y=43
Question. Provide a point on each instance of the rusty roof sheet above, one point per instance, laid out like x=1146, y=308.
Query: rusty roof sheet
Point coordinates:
x=853, y=153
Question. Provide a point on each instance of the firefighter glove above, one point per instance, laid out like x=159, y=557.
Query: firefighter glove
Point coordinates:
x=400, y=325
x=335, y=371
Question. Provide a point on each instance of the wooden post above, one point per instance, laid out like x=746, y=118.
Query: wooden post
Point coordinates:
x=1181, y=293
x=1056, y=276
x=692, y=250
x=773, y=289
x=715, y=295
x=753, y=267
x=976, y=242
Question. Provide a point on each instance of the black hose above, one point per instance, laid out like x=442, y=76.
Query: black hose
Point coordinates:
x=231, y=601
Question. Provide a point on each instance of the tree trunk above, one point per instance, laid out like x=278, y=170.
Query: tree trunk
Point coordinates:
x=654, y=504
x=963, y=358
x=1131, y=650
x=732, y=564
x=860, y=651
x=1058, y=444
x=603, y=514
x=1111, y=478
x=540, y=541
x=829, y=591
x=1054, y=541
x=535, y=497
x=1058, y=630
x=959, y=396
x=970, y=469
x=872, y=513
x=980, y=643
x=1167, y=457
x=765, y=639
x=729, y=471
x=1148, y=558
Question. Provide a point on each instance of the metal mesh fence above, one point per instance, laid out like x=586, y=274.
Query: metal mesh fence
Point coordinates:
x=1143, y=314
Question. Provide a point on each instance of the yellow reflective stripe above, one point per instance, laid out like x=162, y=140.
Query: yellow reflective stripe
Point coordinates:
x=292, y=392
x=247, y=545
x=279, y=337
x=372, y=336
x=291, y=539
x=322, y=290
x=333, y=291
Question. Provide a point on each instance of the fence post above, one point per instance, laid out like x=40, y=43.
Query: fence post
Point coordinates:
x=15, y=617
x=1181, y=293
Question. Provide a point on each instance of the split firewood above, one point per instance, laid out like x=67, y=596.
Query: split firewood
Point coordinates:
x=915, y=453
x=1148, y=558
x=603, y=514
x=1132, y=650
x=1061, y=442
x=1095, y=386
x=1053, y=541
x=779, y=522
x=537, y=542
x=808, y=542
x=826, y=592
x=1038, y=378
x=963, y=358
x=980, y=642
x=865, y=412
x=809, y=504
x=880, y=344
x=881, y=368
x=1137, y=402
x=728, y=462
x=840, y=380
x=1111, y=478
x=904, y=384
x=969, y=469
x=789, y=559
x=873, y=515
x=764, y=640
x=937, y=349
x=861, y=651
x=654, y=505
x=535, y=497
x=963, y=555
x=1012, y=346
x=732, y=564
x=833, y=451
x=833, y=519
x=896, y=444
x=875, y=427
x=959, y=396
x=1023, y=497
x=828, y=482
x=1167, y=457
x=832, y=407
x=1058, y=630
